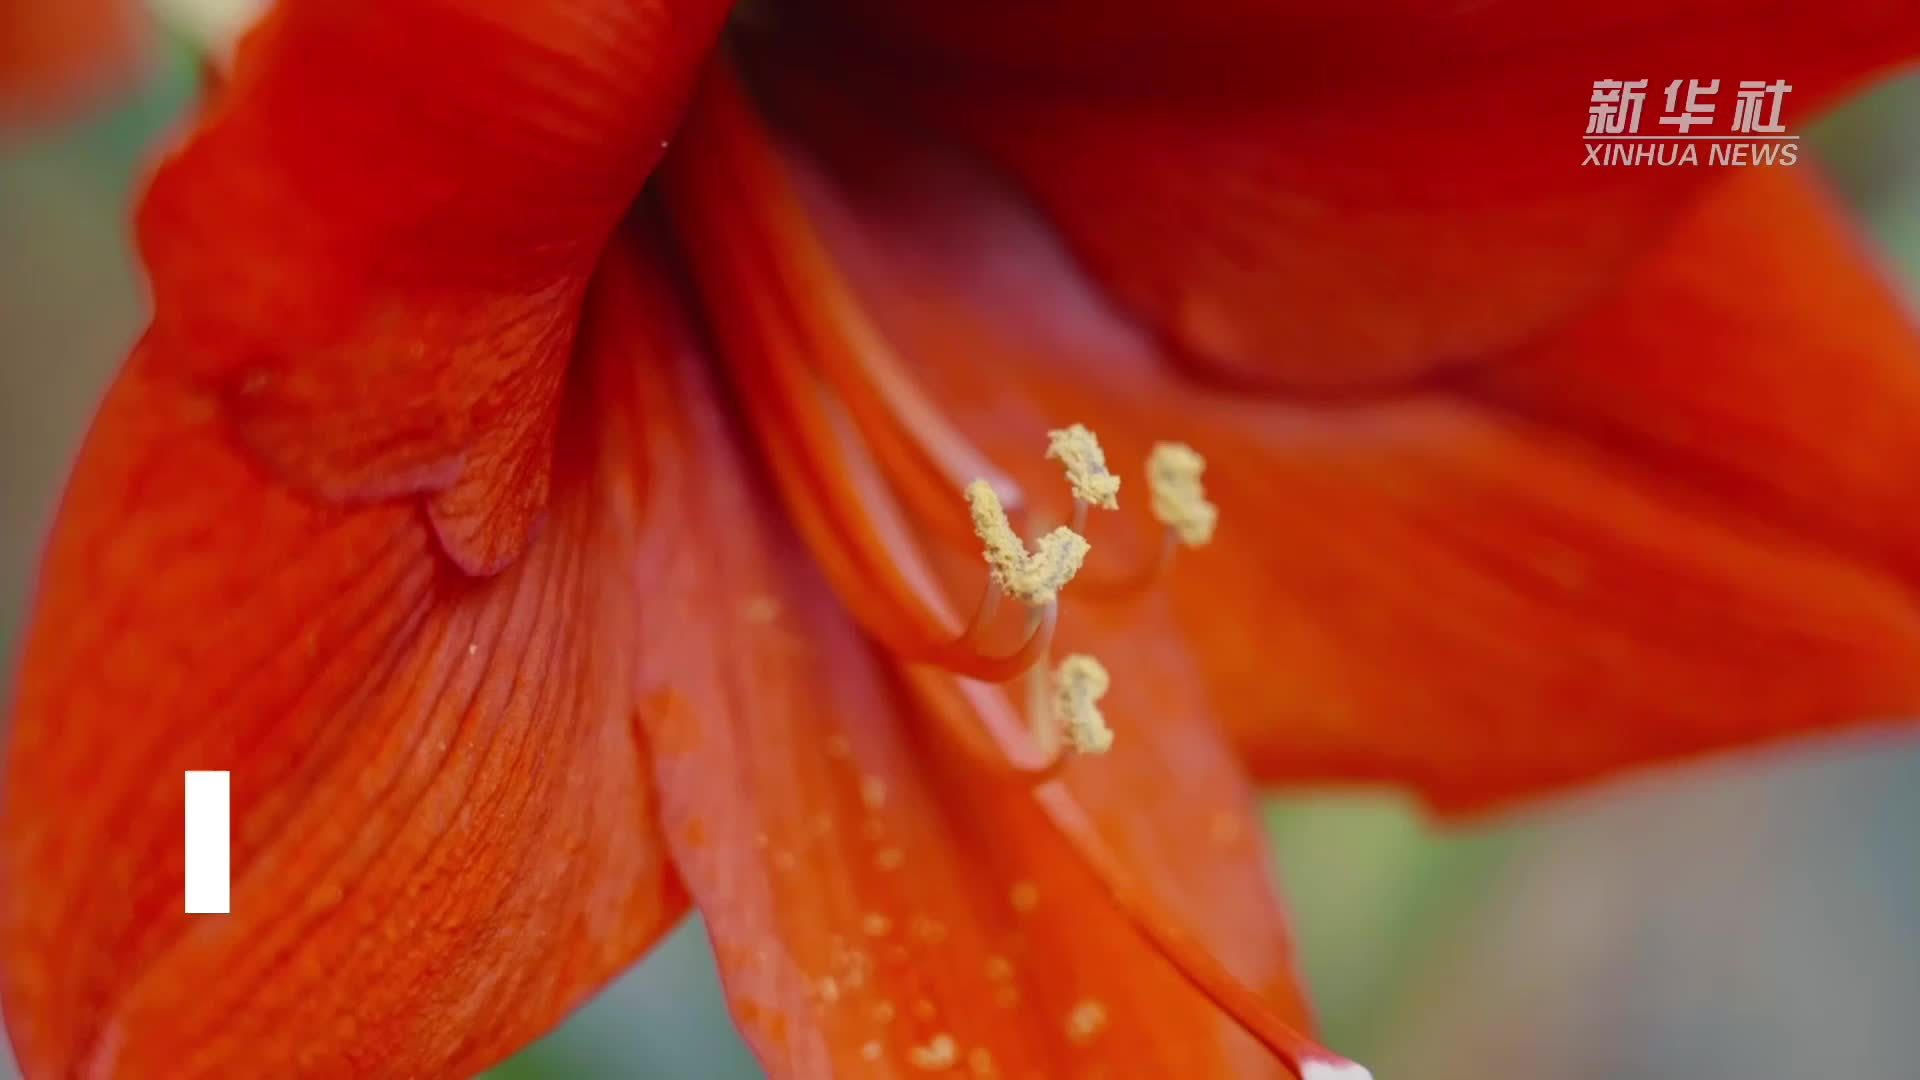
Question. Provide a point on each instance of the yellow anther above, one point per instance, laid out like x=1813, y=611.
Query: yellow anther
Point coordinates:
x=1076, y=448
x=1179, y=499
x=1034, y=578
x=1078, y=685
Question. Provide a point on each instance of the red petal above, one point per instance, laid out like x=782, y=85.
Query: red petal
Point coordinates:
x=444, y=827
x=52, y=53
x=377, y=242
x=1313, y=201
x=1676, y=530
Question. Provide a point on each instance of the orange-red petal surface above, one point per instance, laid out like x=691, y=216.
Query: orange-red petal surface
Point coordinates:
x=54, y=53
x=376, y=243
x=444, y=832
x=1484, y=591
x=1761, y=354
x=1336, y=199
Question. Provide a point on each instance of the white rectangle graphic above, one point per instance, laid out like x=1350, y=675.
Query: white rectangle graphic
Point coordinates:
x=209, y=843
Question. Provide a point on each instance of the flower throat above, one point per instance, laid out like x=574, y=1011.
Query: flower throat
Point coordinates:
x=867, y=466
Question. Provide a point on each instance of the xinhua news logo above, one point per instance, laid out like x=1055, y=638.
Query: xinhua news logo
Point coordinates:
x=1691, y=129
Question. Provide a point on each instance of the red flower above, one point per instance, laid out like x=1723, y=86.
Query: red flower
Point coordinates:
x=548, y=529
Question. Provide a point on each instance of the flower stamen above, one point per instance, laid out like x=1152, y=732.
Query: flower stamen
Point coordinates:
x=1078, y=450
x=1179, y=499
x=1078, y=685
x=1187, y=518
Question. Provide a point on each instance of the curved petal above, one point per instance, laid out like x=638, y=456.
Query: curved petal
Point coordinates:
x=1789, y=382
x=54, y=53
x=880, y=903
x=376, y=242
x=1335, y=200
x=444, y=831
x=1674, y=530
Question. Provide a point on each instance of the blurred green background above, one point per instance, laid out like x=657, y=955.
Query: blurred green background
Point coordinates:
x=1758, y=919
